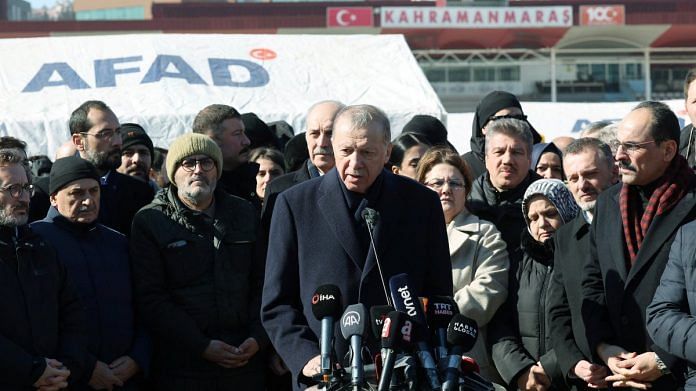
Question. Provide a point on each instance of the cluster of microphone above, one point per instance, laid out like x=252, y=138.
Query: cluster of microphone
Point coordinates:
x=418, y=352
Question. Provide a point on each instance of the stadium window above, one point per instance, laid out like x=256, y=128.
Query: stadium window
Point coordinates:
x=484, y=74
x=459, y=74
x=435, y=75
x=509, y=73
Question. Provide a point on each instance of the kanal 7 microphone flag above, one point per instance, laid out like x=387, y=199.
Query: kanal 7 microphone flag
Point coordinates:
x=349, y=17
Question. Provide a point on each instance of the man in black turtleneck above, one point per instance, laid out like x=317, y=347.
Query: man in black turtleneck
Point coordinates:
x=632, y=231
x=497, y=194
x=97, y=260
x=42, y=318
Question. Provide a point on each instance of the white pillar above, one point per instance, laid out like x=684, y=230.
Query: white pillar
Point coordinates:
x=554, y=95
x=646, y=72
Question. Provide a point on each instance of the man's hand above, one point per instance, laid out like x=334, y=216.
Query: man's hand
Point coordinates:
x=124, y=368
x=54, y=377
x=312, y=367
x=592, y=374
x=637, y=371
x=534, y=379
x=103, y=378
x=228, y=356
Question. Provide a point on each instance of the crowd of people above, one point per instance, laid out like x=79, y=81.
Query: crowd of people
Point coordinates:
x=192, y=266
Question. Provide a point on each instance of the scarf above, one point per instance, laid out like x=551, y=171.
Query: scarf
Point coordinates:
x=670, y=188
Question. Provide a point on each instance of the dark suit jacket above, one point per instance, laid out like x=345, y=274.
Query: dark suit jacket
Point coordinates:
x=120, y=200
x=274, y=188
x=565, y=295
x=615, y=298
x=313, y=242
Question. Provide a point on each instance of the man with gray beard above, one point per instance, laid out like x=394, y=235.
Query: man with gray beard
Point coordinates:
x=589, y=166
x=43, y=321
x=198, y=276
x=96, y=134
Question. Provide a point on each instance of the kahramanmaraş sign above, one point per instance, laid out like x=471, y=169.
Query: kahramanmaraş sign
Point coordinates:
x=476, y=17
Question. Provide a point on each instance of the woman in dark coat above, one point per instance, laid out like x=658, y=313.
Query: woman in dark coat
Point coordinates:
x=521, y=347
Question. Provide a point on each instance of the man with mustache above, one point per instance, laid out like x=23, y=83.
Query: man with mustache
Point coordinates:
x=96, y=134
x=41, y=333
x=319, y=123
x=318, y=237
x=589, y=166
x=497, y=194
x=224, y=125
x=137, y=153
x=198, y=276
x=634, y=225
x=97, y=260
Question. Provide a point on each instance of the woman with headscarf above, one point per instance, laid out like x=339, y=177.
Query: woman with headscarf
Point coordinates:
x=521, y=347
x=547, y=161
x=479, y=259
x=496, y=105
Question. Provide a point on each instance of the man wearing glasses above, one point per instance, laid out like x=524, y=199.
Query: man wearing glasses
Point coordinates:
x=631, y=234
x=96, y=133
x=198, y=276
x=42, y=328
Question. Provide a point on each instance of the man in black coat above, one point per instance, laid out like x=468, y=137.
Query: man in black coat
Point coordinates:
x=96, y=133
x=497, y=194
x=319, y=122
x=687, y=140
x=589, y=166
x=43, y=322
x=197, y=276
x=317, y=237
x=633, y=228
x=224, y=125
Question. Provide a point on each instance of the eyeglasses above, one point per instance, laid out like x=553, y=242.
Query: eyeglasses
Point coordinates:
x=630, y=147
x=189, y=165
x=106, y=135
x=520, y=117
x=438, y=184
x=17, y=189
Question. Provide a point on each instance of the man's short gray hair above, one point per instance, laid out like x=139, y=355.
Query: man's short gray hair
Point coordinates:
x=364, y=116
x=511, y=127
x=339, y=105
x=590, y=143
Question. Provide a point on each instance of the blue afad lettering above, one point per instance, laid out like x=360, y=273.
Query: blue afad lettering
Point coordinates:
x=164, y=66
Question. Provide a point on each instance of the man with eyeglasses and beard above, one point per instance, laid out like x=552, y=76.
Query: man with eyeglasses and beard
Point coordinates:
x=198, y=276
x=634, y=225
x=43, y=322
x=96, y=134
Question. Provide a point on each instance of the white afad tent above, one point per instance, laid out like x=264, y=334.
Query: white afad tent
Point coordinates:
x=162, y=80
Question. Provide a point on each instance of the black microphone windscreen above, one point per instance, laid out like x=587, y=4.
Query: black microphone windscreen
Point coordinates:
x=377, y=315
x=354, y=320
x=326, y=302
x=391, y=332
x=440, y=311
x=462, y=331
x=405, y=297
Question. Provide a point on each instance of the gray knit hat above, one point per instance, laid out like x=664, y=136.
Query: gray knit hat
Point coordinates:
x=190, y=144
x=557, y=193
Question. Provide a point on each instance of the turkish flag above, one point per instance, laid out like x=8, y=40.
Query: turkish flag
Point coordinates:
x=349, y=17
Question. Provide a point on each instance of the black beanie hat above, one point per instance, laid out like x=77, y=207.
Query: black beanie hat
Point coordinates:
x=69, y=169
x=134, y=134
x=260, y=135
x=429, y=127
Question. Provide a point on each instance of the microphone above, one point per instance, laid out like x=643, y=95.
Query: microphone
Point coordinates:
x=440, y=311
x=326, y=306
x=353, y=326
x=378, y=313
x=391, y=334
x=461, y=333
x=406, y=300
x=371, y=218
